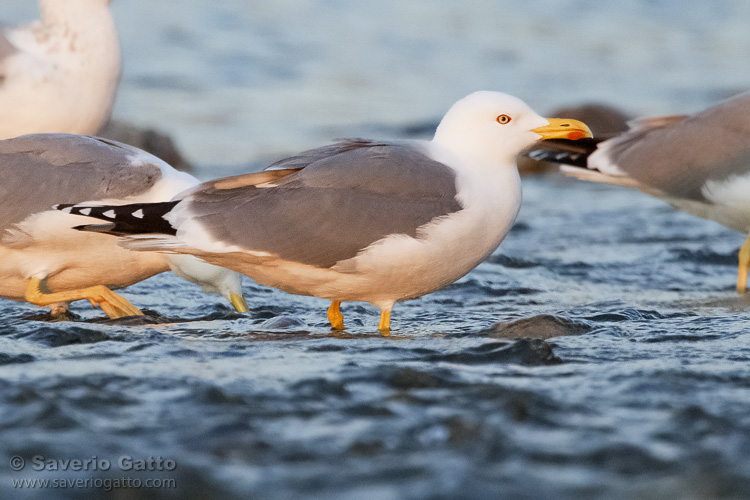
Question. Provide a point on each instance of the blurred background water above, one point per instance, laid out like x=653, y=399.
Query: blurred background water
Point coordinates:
x=645, y=397
x=237, y=81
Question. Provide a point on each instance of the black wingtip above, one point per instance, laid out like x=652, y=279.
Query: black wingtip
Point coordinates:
x=139, y=218
x=96, y=228
x=564, y=151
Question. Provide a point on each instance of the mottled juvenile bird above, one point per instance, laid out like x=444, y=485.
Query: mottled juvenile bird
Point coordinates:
x=59, y=74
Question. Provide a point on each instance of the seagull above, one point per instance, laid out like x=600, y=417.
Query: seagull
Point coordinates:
x=698, y=163
x=358, y=220
x=45, y=262
x=60, y=73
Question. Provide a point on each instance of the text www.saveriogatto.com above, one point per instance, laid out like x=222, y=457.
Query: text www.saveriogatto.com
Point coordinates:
x=48, y=466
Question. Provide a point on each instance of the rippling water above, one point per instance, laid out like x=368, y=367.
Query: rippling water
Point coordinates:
x=241, y=80
x=640, y=393
x=630, y=378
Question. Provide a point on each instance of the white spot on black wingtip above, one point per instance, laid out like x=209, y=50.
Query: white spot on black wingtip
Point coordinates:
x=85, y=211
x=110, y=214
x=537, y=154
x=138, y=213
x=63, y=207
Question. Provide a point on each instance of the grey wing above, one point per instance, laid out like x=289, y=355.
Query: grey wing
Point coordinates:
x=311, y=156
x=41, y=170
x=334, y=207
x=677, y=156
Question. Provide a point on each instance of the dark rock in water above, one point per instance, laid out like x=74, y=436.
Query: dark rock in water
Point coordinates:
x=153, y=141
x=58, y=337
x=149, y=317
x=51, y=317
x=532, y=352
x=284, y=321
x=543, y=326
x=604, y=121
x=9, y=359
x=404, y=378
x=705, y=256
x=512, y=262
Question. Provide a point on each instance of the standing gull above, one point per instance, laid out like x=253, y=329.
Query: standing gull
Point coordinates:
x=59, y=74
x=45, y=262
x=698, y=163
x=359, y=220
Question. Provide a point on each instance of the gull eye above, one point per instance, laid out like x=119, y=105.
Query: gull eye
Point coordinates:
x=503, y=119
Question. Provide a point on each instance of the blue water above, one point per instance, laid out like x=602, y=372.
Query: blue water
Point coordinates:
x=240, y=80
x=647, y=397
x=641, y=392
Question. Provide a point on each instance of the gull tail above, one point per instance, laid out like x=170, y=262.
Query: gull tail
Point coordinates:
x=121, y=220
x=573, y=159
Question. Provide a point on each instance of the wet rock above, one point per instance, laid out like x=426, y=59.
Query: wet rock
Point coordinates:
x=58, y=337
x=53, y=317
x=153, y=141
x=10, y=359
x=222, y=313
x=327, y=348
x=403, y=378
x=512, y=262
x=705, y=256
x=602, y=119
x=632, y=314
x=149, y=317
x=531, y=352
x=543, y=326
x=283, y=322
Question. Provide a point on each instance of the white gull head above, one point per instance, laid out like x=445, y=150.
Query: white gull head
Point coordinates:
x=490, y=129
x=212, y=279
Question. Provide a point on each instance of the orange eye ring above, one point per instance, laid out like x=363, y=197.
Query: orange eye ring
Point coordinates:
x=503, y=119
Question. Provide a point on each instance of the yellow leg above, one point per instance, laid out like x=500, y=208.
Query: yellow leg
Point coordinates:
x=335, y=317
x=99, y=295
x=385, y=320
x=744, y=266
